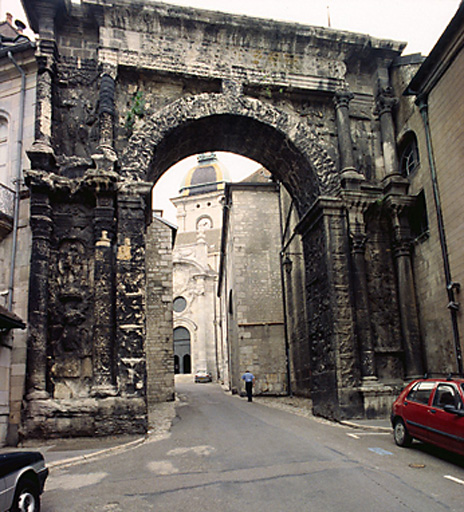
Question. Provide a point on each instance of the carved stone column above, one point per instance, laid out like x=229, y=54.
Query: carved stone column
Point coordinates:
x=103, y=181
x=41, y=153
x=104, y=278
x=361, y=296
x=342, y=100
x=130, y=287
x=106, y=157
x=385, y=102
x=406, y=292
x=41, y=225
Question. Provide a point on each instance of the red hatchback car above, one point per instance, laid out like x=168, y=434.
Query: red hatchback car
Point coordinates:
x=431, y=410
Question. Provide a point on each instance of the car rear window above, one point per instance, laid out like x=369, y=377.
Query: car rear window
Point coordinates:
x=421, y=392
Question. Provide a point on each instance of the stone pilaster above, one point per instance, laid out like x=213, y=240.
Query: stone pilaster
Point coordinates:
x=406, y=292
x=385, y=102
x=104, y=273
x=363, y=315
x=334, y=363
x=130, y=287
x=41, y=225
x=41, y=153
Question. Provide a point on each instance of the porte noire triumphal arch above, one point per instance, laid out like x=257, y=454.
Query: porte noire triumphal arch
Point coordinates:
x=127, y=89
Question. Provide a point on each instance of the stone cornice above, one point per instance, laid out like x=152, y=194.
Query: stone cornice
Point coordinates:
x=97, y=181
x=324, y=205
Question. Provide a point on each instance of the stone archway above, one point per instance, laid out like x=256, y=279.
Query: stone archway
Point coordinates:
x=246, y=126
x=290, y=150
x=148, y=85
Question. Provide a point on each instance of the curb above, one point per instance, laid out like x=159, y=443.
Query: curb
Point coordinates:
x=84, y=458
x=371, y=428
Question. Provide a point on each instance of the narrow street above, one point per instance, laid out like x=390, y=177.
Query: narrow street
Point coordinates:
x=225, y=454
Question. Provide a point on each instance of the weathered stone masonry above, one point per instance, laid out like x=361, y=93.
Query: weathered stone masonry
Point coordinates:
x=128, y=89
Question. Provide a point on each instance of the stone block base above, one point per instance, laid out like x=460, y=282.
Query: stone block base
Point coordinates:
x=369, y=401
x=378, y=399
x=47, y=419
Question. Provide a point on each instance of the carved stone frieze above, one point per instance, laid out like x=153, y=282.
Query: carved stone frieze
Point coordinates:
x=71, y=301
x=222, y=51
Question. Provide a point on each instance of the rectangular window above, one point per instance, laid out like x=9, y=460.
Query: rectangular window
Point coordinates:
x=421, y=392
x=418, y=220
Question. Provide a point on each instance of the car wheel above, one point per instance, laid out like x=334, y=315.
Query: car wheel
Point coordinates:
x=401, y=434
x=26, y=498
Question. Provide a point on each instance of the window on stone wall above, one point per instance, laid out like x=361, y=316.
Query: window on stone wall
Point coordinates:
x=179, y=304
x=6, y=192
x=418, y=220
x=3, y=148
x=409, y=154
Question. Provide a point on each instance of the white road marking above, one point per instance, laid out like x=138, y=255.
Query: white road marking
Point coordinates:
x=454, y=479
x=196, y=450
x=359, y=434
x=70, y=482
x=162, y=467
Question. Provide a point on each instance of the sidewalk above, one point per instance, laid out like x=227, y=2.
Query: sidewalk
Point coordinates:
x=64, y=452
x=67, y=452
x=303, y=407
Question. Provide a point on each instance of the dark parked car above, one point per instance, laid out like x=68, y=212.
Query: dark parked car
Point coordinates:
x=431, y=410
x=22, y=480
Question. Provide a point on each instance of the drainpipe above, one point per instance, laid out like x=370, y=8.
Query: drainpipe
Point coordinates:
x=17, y=187
x=422, y=103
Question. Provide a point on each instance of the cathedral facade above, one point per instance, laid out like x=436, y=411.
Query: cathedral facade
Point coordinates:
x=196, y=263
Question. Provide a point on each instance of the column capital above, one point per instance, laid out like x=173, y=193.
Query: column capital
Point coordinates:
x=385, y=101
x=358, y=241
x=101, y=181
x=342, y=98
x=133, y=189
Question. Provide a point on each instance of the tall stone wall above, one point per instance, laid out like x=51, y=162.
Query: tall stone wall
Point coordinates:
x=255, y=281
x=159, y=341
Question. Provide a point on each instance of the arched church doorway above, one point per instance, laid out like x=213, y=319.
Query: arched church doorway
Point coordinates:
x=182, y=356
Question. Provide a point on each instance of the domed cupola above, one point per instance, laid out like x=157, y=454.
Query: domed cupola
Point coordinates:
x=209, y=175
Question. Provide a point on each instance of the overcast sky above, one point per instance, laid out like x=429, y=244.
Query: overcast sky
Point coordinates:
x=417, y=22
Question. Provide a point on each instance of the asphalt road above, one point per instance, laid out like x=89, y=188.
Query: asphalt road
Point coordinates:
x=227, y=455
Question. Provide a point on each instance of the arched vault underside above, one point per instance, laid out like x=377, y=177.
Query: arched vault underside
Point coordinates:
x=246, y=126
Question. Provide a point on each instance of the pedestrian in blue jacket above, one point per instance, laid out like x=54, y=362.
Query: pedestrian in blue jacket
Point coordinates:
x=249, y=379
